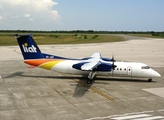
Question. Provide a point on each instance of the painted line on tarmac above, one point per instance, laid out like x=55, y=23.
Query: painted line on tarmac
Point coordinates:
x=145, y=115
x=162, y=110
x=91, y=88
x=148, y=111
x=95, y=90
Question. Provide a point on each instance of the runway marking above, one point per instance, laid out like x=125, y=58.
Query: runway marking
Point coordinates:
x=132, y=116
x=148, y=111
x=91, y=88
x=95, y=90
x=0, y=76
x=161, y=110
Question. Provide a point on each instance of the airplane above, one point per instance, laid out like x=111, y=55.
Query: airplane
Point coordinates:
x=92, y=66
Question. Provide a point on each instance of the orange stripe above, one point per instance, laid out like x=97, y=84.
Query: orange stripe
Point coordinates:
x=39, y=61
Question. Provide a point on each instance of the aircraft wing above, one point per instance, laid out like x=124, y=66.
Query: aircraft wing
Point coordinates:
x=96, y=55
x=90, y=66
x=93, y=63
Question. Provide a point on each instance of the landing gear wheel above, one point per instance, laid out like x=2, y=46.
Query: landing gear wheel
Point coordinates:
x=149, y=80
x=89, y=81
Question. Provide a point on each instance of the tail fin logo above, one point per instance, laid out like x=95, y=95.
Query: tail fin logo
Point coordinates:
x=31, y=49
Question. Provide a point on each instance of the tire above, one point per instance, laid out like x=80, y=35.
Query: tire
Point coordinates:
x=150, y=80
x=89, y=81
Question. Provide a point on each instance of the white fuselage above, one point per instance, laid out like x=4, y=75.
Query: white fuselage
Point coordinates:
x=123, y=69
x=91, y=66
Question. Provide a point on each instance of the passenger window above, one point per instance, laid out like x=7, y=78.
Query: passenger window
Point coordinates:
x=129, y=69
x=125, y=69
x=120, y=68
x=117, y=68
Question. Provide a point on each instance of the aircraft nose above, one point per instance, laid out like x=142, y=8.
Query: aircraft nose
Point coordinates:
x=156, y=74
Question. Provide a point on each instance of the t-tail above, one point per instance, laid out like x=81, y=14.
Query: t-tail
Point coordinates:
x=28, y=47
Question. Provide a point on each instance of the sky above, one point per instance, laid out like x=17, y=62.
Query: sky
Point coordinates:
x=98, y=15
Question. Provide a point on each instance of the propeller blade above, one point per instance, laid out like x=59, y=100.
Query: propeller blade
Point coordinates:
x=113, y=65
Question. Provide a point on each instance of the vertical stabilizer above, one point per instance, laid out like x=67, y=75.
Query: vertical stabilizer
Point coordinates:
x=28, y=47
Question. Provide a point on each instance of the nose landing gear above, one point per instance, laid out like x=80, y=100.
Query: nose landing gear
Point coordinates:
x=150, y=80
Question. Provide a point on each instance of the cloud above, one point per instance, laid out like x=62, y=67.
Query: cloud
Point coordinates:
x=13, y=17
x=1, y=7
x=31, y=19
x=29, y=14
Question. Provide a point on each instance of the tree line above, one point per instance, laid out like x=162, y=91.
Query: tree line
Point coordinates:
x=153, y=33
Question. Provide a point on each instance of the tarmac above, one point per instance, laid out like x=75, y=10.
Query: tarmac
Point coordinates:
x=36, y=94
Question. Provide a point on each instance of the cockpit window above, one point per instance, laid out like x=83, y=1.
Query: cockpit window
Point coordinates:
x=145, y=67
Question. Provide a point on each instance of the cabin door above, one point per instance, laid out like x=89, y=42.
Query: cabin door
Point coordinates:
x=129, y=70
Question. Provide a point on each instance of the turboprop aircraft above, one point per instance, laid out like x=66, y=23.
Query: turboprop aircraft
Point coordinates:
x=90, y=66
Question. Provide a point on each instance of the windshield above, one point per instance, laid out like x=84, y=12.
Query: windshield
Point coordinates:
x=145, y=67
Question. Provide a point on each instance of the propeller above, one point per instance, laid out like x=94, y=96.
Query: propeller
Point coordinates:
x=113, y=65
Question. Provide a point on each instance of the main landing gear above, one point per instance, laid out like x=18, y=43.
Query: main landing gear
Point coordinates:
x=91, y=76
x=89, y=81
x=150, y=80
